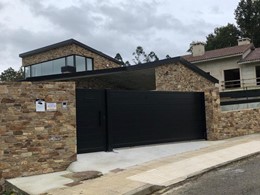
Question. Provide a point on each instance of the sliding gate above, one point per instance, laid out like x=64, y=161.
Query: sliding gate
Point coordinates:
x=108, y=119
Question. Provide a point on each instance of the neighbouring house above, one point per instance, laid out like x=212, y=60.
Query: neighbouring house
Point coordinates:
x=235, y=67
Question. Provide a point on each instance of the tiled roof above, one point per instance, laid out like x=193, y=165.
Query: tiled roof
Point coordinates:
x=219, y=53
x=252, y=57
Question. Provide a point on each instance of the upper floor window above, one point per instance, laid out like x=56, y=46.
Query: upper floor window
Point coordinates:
x=232, y=78
x=54, y=66
x=257, y=72
x=80, y=64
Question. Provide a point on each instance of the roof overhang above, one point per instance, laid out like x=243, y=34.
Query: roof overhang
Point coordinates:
x=124, y=77
x=132, y=77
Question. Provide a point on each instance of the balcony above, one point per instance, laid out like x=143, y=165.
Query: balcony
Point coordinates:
x=242, y=84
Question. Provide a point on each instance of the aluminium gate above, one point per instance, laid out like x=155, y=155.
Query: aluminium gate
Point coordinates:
x=91, y=127
x=108, y=119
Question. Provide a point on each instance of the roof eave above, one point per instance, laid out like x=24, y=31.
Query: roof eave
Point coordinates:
x=217, y=58
x=249, y=61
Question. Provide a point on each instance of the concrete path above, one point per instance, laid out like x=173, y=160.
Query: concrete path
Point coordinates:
x=164, y=171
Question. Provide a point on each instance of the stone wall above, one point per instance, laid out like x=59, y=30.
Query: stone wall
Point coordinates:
x=177, y=77
x=238, y=123
x=234, y=123
x=100, y=62
x=36, y=142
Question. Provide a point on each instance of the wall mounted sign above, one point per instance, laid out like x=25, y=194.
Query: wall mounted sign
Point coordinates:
x=51, y=106
x=40, y=105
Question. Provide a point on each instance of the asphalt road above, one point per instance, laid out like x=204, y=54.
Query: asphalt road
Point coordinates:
x=240, y=178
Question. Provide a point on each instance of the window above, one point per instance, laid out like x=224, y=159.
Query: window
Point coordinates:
x=27, y=71
x=89, y=64
x=70, y=61
x=257, y=71
x=232, y=78
x=80, y=64
x=57, y=64
x=47, y=68
x=54, y=66
x=36, y=70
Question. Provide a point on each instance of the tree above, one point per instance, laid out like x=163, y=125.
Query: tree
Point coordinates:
x=152, y=57
x=11, y=75
x=247, y=15
x=168, y=56
x=119, y=57
x=127, y=63
x=225, y=36
x=141, y=57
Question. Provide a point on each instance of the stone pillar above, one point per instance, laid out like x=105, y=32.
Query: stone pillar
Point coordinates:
x=212, y=109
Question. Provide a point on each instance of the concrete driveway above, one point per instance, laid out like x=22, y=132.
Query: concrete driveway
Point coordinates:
x=126, y=157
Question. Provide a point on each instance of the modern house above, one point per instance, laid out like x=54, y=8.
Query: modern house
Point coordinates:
x=120, y=106
x=235, y=67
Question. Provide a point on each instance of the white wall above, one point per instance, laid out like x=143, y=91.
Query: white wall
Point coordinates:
x=216, y=69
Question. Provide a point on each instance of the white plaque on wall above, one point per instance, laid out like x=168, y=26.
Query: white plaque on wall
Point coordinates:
x=40, y=105
x=51, y=106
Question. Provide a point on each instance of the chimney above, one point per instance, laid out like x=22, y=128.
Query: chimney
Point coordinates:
x=243, y=41
x=197, y=48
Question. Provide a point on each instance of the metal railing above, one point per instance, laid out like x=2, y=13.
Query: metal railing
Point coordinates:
x=241, y=84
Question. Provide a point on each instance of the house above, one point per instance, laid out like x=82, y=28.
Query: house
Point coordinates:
x=109, y=117
x=235, y=67
x=179, y=101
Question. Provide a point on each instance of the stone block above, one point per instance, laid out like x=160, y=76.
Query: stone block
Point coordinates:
x=7, y=100
x=27, y=154
x=10, y=139
x=3, y=89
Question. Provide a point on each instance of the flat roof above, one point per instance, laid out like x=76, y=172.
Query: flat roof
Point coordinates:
x=127, y=69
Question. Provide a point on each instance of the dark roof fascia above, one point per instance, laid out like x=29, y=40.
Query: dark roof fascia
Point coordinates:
x=83, y=74
x=148, y=65
x=65, y=43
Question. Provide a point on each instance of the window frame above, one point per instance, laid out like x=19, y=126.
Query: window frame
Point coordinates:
x=227, y=86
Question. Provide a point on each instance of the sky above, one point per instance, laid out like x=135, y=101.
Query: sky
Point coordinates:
x=110, y=26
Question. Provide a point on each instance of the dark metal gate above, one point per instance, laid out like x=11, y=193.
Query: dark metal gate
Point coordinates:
x=130, y=118
x=91, y=124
